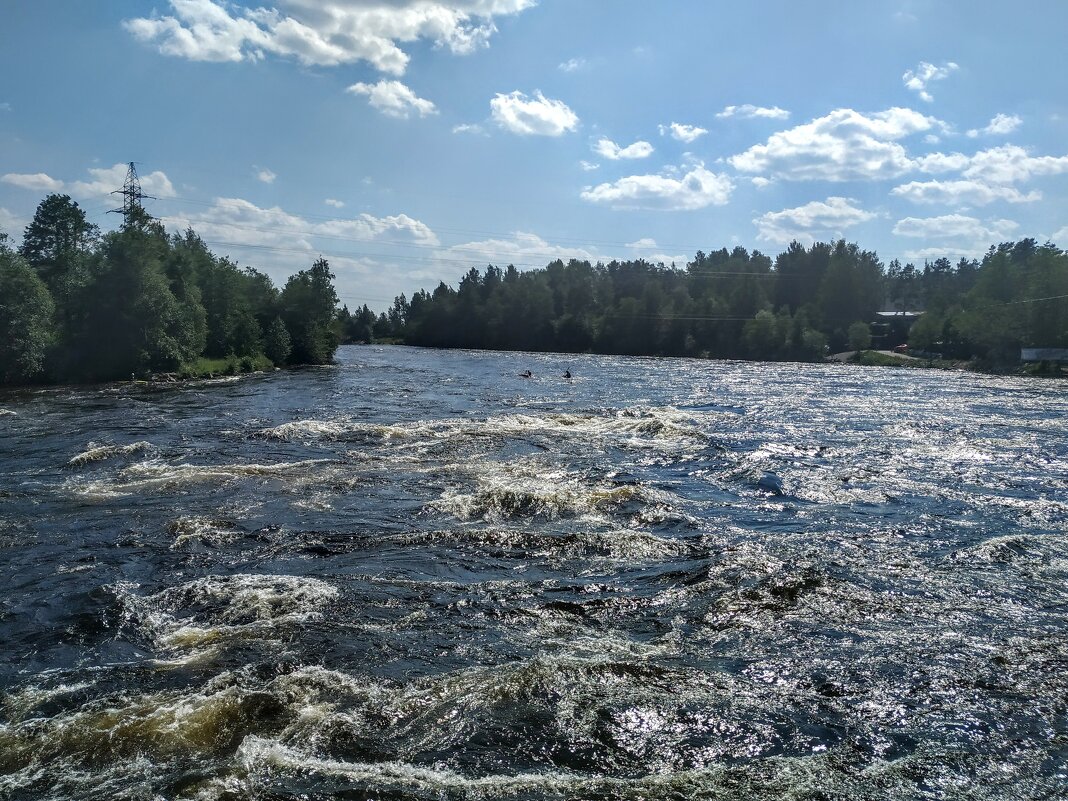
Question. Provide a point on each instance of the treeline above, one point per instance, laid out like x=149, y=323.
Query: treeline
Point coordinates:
x=737, y=304
x=78, y=306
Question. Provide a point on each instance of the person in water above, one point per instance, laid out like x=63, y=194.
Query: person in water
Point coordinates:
x=567, y=374
x=526, y=374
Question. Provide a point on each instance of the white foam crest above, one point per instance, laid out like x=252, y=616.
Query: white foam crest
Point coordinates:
x=97, y=453
x=155, y=475
x=6, y=412
x=639, y=425
x=214, y=608
x=258, y=753
x=529, y=489
x=191, y=529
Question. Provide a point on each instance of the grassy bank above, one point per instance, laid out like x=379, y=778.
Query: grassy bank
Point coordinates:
x=232, y=365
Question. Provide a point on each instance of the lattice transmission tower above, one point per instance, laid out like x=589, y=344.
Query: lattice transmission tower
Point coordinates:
x=131, y=198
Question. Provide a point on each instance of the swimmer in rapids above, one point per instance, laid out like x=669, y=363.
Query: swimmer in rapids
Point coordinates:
x=526, y=374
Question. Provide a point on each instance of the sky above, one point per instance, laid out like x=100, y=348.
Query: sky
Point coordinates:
x=407, y=141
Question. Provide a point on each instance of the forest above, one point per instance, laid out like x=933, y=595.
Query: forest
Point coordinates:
x=78, y=306
x=737, y=304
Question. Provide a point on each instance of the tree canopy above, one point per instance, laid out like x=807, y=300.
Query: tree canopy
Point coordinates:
x=78, y=306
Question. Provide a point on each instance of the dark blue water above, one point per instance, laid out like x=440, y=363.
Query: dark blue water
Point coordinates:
x=416, y=575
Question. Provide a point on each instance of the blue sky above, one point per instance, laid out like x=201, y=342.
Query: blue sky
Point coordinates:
x=409, y=140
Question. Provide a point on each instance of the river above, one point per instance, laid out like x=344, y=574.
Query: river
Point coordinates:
x=417, y=575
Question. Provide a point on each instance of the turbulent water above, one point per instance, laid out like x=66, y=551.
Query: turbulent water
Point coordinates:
x=416, y=575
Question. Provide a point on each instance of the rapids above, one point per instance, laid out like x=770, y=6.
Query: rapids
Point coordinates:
x=416, y=575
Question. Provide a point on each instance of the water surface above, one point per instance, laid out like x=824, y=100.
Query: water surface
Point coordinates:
x=416, y=575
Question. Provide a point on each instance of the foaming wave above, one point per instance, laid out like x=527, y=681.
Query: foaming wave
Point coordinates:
x=219, y=608
x=96, y=453
x=154, y=476
x=637, y=426
x=522, y=490
x=189, y=530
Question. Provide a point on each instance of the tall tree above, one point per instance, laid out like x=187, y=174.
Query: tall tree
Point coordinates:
x=309, y=307
x=27, y=327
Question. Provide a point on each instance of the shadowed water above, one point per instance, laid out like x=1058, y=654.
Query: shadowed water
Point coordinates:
x=416, y=575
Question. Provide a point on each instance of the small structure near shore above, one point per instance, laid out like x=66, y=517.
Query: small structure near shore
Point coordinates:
x=891, y=328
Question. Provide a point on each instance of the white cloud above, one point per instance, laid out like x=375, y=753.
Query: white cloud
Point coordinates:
x=265, y=175
x=105, y=180
x=238, y=221
x=13, y=225
x=538, y=115
x=521, y=249
x=925, y=73
x=322, y=32
x=572, y=65
x=610, y=150
x=696, y=189
x=760, y=182
x=337, y=204
x=1011, y=163
x=841, y=146
x=647, y=248
x=812, y=221
x=683, y=133
x=589, y=166
x=471, y=128
x=961, y=193
x=1000, y=124
x=36, y=182
x=749, y=111
x=393, y=99
x=956, y=226
x=1061, y=236
x=280, y=242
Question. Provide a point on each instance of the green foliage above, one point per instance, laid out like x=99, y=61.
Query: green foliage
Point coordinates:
x=859, y=336
x=277, y=345
x=309, y=307
x=735, y=304
x=78, y=307
x=27, y=327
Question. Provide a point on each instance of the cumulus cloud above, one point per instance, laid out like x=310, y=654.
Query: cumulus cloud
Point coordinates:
x=393, y=99
x=749, y=111
x=521, y=249
x=572, y=65
x=999, y=125
x=962, y=193
x=1011, y=163
x=371, y=257
x=925, y=73
x=337, y=204
x=956, y=226
x=683, y=133
x=610, y=150
x=589, y=166
x=322, y=32
x=240, y=222
x=812, y=221
x=844, y=145
x=105, y=180
x=536, y=115
x=695, y=189
x=37, y=182
x=1061, y=235
x=265, y=175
